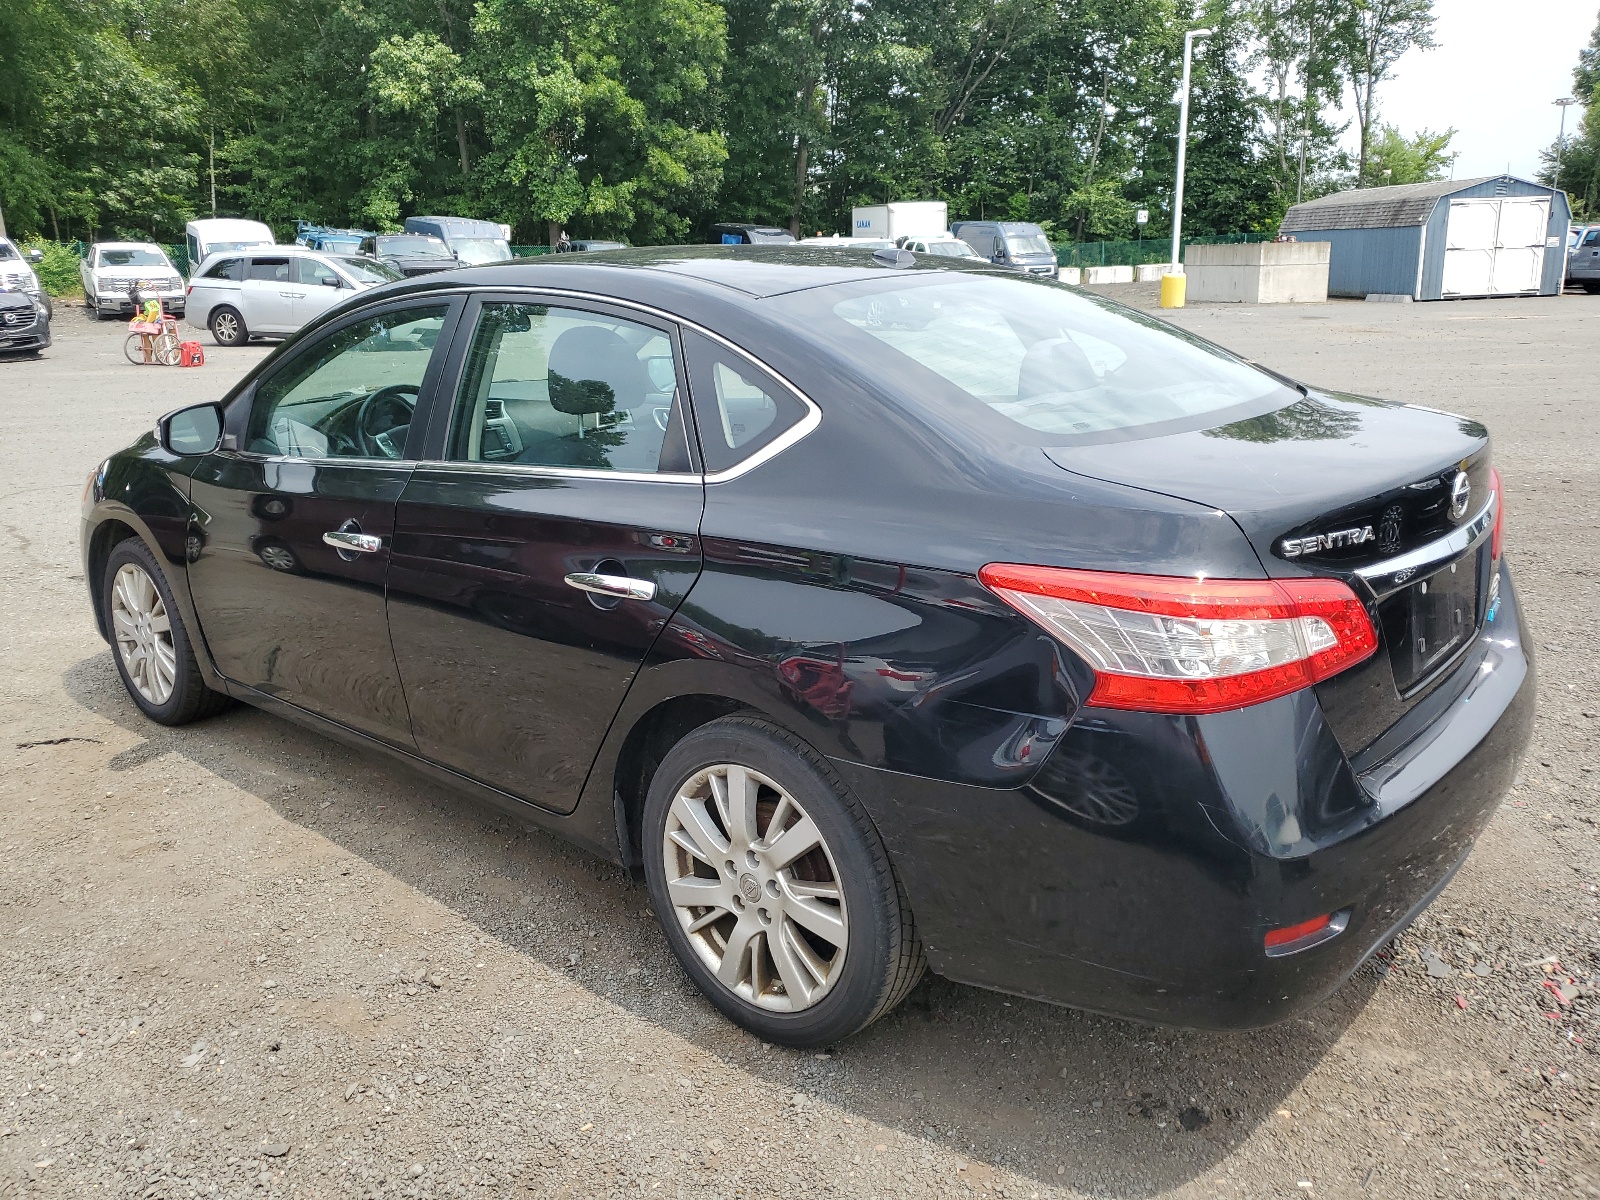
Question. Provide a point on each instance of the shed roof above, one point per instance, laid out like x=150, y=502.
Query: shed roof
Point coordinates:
x=1375, y=208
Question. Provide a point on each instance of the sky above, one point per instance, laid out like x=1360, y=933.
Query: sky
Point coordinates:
x=1498, y=67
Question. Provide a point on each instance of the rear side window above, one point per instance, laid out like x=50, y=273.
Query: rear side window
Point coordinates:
x=273, y=270
x=228, y=268
x=739, y=409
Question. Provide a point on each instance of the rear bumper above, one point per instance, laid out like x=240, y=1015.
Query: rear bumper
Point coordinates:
x=1139, y=872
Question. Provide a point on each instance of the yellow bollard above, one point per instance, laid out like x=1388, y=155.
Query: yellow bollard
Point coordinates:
x=1173, y=286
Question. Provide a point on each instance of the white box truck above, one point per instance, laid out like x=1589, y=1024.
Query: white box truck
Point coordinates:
x=909, y=218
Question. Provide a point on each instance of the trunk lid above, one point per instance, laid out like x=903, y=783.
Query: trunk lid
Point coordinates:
x=1387, y=496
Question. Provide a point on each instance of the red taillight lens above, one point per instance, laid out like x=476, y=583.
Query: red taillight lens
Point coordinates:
x=1160, y=643
x=1293, y=933
x=1498, y=542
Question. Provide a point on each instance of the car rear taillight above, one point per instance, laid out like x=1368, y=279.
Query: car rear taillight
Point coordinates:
x=1498, y=542
x=1160, y=643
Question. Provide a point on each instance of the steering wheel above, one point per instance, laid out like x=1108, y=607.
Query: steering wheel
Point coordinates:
x=396, y=403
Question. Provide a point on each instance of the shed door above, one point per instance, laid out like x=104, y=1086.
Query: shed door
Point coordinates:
x=1519, y=248
x=1495, y=247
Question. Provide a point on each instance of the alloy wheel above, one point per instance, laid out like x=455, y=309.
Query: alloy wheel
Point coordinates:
x=143, y=631
x=226, y=327
x=755, y=888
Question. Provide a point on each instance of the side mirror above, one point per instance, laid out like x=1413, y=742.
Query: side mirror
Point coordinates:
x=191, y=431
x=35, y=256
x=332, y=281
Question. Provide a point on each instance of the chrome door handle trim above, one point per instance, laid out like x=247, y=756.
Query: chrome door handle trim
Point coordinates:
x=361, y=543
x=612, y=585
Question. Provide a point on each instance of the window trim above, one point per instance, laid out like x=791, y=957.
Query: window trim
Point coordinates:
x=445, y=410
x=238, y=409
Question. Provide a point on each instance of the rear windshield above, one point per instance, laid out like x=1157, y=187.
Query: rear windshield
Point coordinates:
x=425, y=247
x=369, y=270
x=1053, y=361
x=764, y=237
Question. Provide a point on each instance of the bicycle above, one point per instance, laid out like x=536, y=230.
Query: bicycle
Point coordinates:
x=153, y=342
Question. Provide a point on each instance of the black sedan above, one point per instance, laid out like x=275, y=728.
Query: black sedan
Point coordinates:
x=886, y=612
x=24, y=323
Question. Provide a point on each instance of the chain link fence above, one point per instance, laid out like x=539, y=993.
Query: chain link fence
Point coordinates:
x=1138, y=253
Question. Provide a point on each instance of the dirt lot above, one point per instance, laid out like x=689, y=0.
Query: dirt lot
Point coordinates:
x=239, y=959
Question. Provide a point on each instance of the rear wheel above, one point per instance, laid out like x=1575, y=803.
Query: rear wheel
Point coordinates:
x=228, y=327
x=1592, y=286
x=773, y=888
x=152, y=649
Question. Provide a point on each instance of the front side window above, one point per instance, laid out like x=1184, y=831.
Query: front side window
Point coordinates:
x=738, y=408
x=133, y=258
x=560, y=387
x=351, y=395
x=1592, y=238
x=228, y=268
x=270, y=270
x=315, y=273
x=1049, y=359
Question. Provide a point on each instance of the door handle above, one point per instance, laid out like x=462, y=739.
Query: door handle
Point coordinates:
x=361, y=543
x=619, y=586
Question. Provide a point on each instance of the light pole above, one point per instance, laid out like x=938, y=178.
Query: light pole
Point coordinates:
x=1183, y=140
x=1172, y=294
x=1564, y=103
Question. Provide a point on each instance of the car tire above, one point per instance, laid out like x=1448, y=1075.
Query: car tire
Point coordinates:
x=228, y=327
x=870, y=958
x=160, y=672
x=1592, y=286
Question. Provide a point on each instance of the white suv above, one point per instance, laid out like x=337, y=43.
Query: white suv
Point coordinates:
x=274, y=290
x=110, y=269
x=17, y=273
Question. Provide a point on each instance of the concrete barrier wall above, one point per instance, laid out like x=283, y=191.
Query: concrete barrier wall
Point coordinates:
x=1151, y=272
x=1258, y=273
x=1067, y=274
x=1108, y=274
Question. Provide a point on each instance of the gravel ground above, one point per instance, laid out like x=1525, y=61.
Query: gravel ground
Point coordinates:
x=238, y=959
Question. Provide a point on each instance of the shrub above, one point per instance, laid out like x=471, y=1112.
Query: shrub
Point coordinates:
x=58, y=272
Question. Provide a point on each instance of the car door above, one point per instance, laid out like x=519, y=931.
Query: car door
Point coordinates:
x=266, y=298
x=293, y=517
x=546, y=540
x=1586, y=259
x=320, y=287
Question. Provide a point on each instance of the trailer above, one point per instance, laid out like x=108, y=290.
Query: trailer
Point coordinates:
x=908, y=218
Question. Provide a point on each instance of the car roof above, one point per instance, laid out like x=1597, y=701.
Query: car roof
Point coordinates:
x=128, y=246
x=755, y=271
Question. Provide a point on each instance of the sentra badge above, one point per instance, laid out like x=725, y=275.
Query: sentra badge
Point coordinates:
x=1337, y=539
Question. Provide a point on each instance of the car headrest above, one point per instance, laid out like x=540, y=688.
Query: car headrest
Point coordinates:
x=592, y=370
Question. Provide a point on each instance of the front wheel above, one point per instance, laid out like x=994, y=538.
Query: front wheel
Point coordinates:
x=152, y=649
x=773, y=888
x=135, y=350
x=228, y=327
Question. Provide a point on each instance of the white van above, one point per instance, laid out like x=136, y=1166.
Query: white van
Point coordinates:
x=207, y=237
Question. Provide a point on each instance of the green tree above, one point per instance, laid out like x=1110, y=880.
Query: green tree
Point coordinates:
x=1395, y=158
x=1383, y=30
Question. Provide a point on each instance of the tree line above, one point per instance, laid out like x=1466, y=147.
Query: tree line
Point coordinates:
x=1573, y=162
x=646, y=120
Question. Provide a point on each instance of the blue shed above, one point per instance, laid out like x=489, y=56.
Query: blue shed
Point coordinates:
x=1446, y=240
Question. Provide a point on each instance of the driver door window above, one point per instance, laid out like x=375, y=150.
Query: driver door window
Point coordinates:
x=352, y=395
x=560, y=387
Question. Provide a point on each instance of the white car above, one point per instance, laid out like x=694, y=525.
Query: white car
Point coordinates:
x=110, y=269
x=943, y=247
x=274, y=290
x=17, y=273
